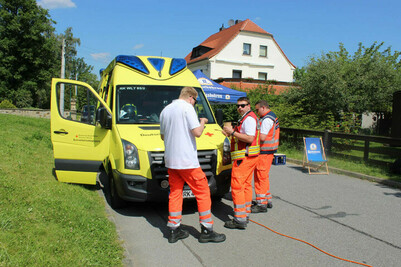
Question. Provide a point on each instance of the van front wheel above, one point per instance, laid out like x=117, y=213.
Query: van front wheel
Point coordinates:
x=116, y=202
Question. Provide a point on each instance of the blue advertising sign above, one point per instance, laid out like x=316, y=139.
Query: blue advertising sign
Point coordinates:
x=313, y=149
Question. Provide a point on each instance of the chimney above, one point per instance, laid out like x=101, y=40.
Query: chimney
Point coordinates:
x=222, y=27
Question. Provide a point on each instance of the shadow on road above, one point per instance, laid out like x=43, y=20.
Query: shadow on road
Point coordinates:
x=298, y=168
x=156, y=213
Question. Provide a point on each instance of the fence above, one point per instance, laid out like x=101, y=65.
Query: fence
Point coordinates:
x=385, y=150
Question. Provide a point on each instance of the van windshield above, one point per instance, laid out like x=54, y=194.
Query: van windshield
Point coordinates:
x=142, y=104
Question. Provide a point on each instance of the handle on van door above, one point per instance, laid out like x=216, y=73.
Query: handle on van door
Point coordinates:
x=60, y=132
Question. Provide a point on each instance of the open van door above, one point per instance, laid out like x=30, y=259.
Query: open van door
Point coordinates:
x=80, y=142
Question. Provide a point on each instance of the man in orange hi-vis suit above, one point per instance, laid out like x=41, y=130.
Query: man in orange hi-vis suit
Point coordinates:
x=269, y=141
x=179, y=125
x=244, y=154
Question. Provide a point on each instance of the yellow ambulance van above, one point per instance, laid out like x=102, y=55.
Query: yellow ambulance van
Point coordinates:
x=115, y=132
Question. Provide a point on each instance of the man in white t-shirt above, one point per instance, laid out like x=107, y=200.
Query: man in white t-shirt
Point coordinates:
x=244, y=154
x=179, y=125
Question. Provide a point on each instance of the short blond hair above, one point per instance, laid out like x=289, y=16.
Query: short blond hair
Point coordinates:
x=187, y=92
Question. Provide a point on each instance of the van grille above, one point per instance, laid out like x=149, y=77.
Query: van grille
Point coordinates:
x=207, y=161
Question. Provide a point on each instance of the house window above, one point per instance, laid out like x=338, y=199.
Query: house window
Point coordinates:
x=262, y=76
x=247, y=49
x=237, y=74
x=263, y=51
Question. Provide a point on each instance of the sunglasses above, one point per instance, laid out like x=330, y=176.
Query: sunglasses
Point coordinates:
x=242, y=105
x=196, y=101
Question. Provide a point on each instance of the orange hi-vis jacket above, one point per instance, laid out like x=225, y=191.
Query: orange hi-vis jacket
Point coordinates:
x=270, y=144
x=238, y=148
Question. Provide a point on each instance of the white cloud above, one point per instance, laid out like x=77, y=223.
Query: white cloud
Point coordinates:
x=102, y=57
x=138, y=46
x=53, y=4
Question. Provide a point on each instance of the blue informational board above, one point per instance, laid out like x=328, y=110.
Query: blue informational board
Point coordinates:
x=313, y=149
x=217, y=93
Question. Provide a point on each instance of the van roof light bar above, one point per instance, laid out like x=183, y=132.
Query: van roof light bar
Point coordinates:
x=133, y=62
x=157, y=63
x=177, y=64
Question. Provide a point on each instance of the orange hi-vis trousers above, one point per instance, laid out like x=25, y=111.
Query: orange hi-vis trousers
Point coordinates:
x=241, y=187
x=261, y=179
x=197, y=181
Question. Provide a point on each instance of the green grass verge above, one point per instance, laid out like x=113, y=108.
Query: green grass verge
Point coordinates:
x=344, y=163
x=44, y=222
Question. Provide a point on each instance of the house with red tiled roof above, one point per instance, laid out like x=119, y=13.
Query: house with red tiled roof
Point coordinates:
x=242, y=51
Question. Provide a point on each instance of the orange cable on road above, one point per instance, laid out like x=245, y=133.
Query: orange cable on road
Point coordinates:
x=310, y=245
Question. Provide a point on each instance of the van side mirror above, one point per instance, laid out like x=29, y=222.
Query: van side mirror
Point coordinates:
x=219, y=117
x=103, y=118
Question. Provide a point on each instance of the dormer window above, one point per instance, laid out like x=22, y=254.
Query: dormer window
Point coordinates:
x=199, y=50
x=247, y=49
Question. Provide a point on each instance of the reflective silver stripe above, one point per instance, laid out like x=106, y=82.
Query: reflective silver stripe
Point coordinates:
x=204, y=213
x=240, y=219
x=260, y=201
x=175, y=220
x=209, y=226
x=175, y=214
x=260, y=195
x=239, y=206
x=269, y=148
x=172, y=225
x=236, y=213
x=206, y=220
x=249, y=203
x=269, y=141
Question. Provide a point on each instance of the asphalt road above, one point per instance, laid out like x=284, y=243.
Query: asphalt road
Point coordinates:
x=346, y=217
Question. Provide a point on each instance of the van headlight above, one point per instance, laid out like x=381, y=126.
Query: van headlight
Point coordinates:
x=131, y=158
x=226, y=152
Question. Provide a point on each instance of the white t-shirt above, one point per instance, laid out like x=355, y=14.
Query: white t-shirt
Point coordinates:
x=176, y=122
x=267, y=124
x=249, y=127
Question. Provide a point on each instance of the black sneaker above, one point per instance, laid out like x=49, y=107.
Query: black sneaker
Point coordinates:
x=210, y=236
x=233, y=224
x=258, y=209
x=177, y=234
x=269, y=205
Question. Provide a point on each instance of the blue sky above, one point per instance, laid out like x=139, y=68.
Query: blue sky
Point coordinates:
x=303, y=28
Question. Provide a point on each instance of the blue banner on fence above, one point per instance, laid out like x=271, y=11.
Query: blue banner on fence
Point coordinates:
x=313, y=149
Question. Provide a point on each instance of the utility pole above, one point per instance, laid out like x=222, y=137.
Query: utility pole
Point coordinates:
x=62, y=76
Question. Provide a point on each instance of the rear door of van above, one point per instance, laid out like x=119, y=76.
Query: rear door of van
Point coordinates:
x=80, y=145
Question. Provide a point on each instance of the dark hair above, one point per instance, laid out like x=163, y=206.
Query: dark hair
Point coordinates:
x=262, y=103
x=244, y=99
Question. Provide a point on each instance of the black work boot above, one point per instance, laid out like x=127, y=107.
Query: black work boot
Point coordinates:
x=210, y=236
x=177, y=234
x=233, y=224
x=269, y=205
x=258, y=209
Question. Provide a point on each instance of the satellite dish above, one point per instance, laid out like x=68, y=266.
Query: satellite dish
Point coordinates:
x=231, y=22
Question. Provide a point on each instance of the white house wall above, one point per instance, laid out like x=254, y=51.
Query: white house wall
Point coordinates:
x=231, y=58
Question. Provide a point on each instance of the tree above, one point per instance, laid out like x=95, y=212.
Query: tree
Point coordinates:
x=83, y=72
x=27, y=53
x=337, y=83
